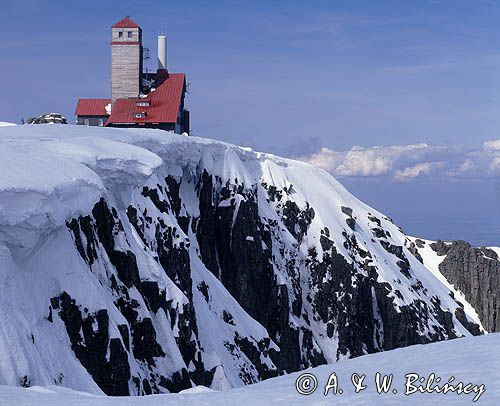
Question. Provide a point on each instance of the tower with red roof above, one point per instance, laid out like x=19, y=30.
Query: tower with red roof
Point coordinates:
x=126, y=59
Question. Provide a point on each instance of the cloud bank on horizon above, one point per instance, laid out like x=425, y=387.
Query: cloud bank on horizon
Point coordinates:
x=408, y=162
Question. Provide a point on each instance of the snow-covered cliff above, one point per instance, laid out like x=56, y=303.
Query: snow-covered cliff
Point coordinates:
x=140, y=261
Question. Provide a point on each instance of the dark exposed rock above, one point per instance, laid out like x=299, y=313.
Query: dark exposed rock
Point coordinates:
x=296, y=220
x=397, y=250
x=25, y=381
x=91, y=346
x=173, y=194
x=251, y=276
x=476, y=273
x=203, y=288
x=161, y=205
x=342, y=304
x=375, y=220
x=412, y=247
x=83, y=225
x=155, y=299
x=419, y=243
x=379, y=232
x=74, y=226
x=227, y=317
x=445, y=318
x=404, y=267
x=253, y=353
x=472, y=327
x=119, y=371
x=285, y=335
x=107, y=226
x=177, y=382
x=206, y=224
x=144, y=343
x=188, y=347
x=326, y=243
x=275, y=195
x=346, y=210
x=134, y=220
x=174, y=257
x=245, y=267
x=351, y=223
x=123, y=329
x=146, y=387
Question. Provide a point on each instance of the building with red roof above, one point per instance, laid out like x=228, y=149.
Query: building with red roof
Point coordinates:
x=125, y=23
x=138, y=99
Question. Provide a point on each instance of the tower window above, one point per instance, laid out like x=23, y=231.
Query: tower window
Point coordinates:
x=120, y=34
x=129, y=34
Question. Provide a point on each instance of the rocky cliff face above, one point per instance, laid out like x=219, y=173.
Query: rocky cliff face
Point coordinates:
x=196, y=262
x=476, y=273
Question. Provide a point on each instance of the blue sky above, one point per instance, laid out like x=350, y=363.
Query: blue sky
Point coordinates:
x=292, y=78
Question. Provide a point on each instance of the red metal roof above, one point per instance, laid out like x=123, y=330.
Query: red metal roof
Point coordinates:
x=92, y=107
x=125, y=23
x=164, y=105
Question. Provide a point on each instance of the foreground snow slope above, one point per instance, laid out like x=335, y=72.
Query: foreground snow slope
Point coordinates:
x=141, y=261
x=470, y=360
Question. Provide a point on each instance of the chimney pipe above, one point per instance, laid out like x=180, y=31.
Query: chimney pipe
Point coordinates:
x=162, y=52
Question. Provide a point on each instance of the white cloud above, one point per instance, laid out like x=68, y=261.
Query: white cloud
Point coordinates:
x=492, y=145
x=416, y=170
x=407, y=162
x=494, y=166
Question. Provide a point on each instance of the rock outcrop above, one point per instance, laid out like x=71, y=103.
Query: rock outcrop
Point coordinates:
x=476, y=273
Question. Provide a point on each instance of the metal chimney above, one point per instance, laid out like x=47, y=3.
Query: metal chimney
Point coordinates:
x=162, y=52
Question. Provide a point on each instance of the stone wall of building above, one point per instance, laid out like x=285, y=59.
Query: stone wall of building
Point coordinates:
x=125, y=63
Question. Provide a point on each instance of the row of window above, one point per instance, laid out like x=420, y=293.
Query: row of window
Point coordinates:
x=100, y=122
x=130, y=34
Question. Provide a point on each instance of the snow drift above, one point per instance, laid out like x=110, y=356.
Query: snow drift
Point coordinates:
x=141, y=261
x=471, y=360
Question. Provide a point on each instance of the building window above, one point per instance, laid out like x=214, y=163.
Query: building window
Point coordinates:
x=129, y=34
x=100, y=122
x=143, y=103
x=86, y=121
x=120, y=34
x=139, y=115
